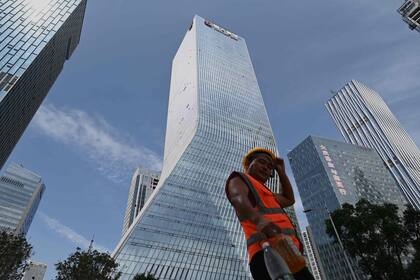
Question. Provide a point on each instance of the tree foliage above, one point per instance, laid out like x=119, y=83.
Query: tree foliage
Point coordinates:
x=384, y=243
x=144, y=276
x=14, y=253
x=87, y=265
x=412, y=223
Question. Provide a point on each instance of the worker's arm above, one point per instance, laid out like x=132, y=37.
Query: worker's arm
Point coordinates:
x=238, y=194
x=286, y=198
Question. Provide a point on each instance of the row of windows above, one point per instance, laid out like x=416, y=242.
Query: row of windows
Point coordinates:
x=26, y=32
x=12, y=181
x=26, y=95
x=185, y=257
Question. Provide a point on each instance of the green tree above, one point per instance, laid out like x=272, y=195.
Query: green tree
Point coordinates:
x=87, y=265
x=412, y=224
x=379, y=239
x=14, y=253
x=144, y=276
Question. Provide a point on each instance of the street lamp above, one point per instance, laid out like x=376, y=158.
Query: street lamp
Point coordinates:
x=338, y=238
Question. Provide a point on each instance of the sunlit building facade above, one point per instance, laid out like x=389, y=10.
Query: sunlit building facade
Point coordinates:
x=329, y=173
x=143, y=183
x=188, y=229
x=35, y=271
x=364, y=119
x=21, y=191
x=36, y=37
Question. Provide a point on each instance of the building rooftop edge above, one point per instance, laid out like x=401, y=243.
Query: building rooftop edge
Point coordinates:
x=311, y=136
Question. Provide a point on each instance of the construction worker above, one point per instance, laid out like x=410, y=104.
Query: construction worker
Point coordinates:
x=260, y=211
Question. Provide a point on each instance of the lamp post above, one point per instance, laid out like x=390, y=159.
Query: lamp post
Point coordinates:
x=353, y=274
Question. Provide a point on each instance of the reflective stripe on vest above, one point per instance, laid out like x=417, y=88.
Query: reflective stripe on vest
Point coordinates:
x=262, y=209
x=257, y=237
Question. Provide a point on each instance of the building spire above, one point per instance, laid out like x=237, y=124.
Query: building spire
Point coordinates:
x=91, y=243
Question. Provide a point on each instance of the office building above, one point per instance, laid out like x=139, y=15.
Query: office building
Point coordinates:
x=329, y=173
x=21, y=191
x=143, y=183
x=312, y=255
x=35, y=271
x=36, y=37
x=364, y=119
x=410, y=12
x=188, y=229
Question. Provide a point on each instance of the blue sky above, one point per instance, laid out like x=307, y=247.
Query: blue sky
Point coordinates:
x=106, y=113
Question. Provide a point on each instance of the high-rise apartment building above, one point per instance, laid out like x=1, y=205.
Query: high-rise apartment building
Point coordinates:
x=365, y=120
x=410, y=12
x=35, y=271
x=143, y=183
x=328, y=174
x=36, y=37
x=312, y=255
x=20, y=194
x=188, y=229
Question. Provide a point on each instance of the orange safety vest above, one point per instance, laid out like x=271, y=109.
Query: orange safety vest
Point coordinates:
x=269, y=207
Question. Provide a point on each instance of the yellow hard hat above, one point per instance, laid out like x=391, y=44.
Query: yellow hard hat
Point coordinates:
x=247, y=158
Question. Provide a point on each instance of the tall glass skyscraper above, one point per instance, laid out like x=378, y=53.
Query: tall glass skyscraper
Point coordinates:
x=188, y=229
x=36, y=37
x=328, y=174
x=143, y=183
x=410, y=12
x=364, y=119
x=21, y=191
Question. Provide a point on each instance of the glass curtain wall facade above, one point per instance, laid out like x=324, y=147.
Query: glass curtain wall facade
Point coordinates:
x=364, y=119
x=329, y=173
x=20, y=194
x=188, y=229
x=36, y=37
x=312, y=255
x=143, y=183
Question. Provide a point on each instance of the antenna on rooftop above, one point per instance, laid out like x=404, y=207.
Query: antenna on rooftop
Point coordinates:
x=91, y=243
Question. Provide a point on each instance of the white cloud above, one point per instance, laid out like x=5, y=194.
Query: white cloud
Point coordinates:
x=98, y=140
x=69, y=233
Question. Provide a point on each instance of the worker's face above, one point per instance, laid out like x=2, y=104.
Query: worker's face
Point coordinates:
x=261, y=167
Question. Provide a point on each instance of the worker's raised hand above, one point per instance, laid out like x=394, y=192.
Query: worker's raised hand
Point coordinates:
x=271, y=230
x=279, y=165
